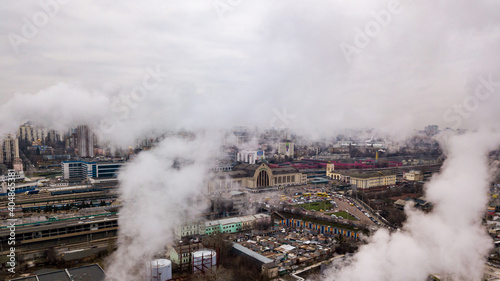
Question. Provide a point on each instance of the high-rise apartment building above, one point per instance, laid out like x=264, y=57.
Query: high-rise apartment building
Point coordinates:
x=30, y=133
x=85, y=141
x=286, y=148
x=9, y=150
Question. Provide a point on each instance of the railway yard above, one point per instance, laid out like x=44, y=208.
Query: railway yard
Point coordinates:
x=74, y=222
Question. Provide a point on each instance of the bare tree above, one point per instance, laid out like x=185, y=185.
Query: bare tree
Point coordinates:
x=51, y=255
x=218, y=274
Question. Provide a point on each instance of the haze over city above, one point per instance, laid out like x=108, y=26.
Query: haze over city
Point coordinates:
x=325, y=140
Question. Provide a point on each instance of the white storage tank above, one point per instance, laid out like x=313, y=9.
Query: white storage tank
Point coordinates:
x=161, y=270
x=204, y=259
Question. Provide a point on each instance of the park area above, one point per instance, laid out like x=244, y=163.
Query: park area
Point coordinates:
x=342, y=214
x=318, y=206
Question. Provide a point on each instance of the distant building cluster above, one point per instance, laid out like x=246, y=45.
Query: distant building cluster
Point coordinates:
x=250, y=157
x=37, y=134
x=431, y=130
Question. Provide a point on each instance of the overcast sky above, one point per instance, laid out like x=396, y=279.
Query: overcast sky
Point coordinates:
x=251, y=59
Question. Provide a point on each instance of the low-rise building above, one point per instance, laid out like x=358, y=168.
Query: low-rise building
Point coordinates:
x=189, y=229
x=230, y=225
x=268, y=267
x=364, y=179
x=414, y=175
x=226, y=225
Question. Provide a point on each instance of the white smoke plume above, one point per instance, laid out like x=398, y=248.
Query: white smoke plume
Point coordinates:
x=159, y=190
x=448, y=241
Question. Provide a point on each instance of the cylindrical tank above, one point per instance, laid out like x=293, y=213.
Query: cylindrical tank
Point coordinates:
x=204, y=259
x=161, y=270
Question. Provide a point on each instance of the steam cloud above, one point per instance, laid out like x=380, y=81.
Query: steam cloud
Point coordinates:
x=153, y=204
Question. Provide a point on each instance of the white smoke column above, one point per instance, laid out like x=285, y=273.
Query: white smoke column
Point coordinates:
x=450, y=240
x=159, y=190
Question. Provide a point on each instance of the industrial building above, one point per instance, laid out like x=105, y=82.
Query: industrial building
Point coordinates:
x=255, y=178
x=39, y=236
x=87, y=272
x=194, y=257
x=182, y=254
x=86, y=170
x=268, y=266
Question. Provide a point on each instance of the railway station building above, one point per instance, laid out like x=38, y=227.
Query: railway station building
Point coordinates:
x=254, y=178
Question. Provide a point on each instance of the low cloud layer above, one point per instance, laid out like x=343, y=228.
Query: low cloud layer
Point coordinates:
x=240, y=64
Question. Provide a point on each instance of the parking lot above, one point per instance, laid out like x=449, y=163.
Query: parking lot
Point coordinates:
x=320, y=201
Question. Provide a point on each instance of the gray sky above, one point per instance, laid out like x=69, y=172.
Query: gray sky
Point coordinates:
x=241, y=64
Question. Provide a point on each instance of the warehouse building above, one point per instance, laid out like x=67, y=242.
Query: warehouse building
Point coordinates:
x=268, y=266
